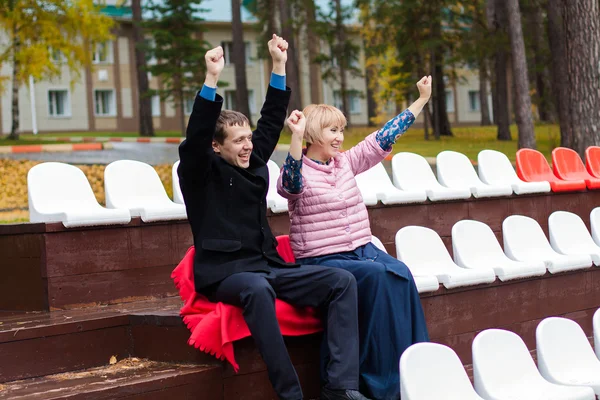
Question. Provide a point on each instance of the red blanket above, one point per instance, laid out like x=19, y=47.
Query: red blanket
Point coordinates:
x=215, y=326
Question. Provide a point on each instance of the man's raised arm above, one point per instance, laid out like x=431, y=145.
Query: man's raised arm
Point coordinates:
x=196, y=150
x=274, y=110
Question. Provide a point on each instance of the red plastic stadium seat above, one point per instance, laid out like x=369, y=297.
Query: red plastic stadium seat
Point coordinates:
x=568, y=166
x=592, y=160
x=533, y=167
x=285, y=249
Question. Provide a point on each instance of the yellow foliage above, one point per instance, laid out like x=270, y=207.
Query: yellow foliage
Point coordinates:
x=37, y=28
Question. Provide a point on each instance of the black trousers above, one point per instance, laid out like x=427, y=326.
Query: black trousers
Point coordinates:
x=332, y=290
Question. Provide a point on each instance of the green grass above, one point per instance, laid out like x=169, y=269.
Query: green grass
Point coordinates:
x=467, y=140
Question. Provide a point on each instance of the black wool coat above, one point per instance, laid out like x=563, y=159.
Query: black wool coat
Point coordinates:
x=226, y=205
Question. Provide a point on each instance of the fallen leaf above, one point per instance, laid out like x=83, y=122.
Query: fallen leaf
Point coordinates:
x=113, y=360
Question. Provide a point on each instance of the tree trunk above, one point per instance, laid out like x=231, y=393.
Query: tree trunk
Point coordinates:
x=496, y=16
x=14, y=130
x=313, y=44
x=292, y=76
x=582, y=38
x=519, y=67
x=180, y=99
x=558, y=70
x=483, y=93
x=238, y=56
x=341, y=58
x=371, y=80
x=539, y=61
x=145, y=102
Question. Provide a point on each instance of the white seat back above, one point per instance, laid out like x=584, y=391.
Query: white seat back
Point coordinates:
x=56, y=187
x=523, y=236
x=177, y=195
x=474, y=243
x=564, y=353
x=569, y=235
x=596, y=324
x=433, y=371
x=455, y=170
x=128, y=181
x=376, y=182
x=595, y=224
x=275, y=201
x=495, y=168
x=421, y=247
x=411, y=171
x=501, y=358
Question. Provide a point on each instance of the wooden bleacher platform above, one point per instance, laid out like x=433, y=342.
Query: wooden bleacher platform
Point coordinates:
x=70, y=299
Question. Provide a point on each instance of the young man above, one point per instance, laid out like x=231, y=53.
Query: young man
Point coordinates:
x=224, y=181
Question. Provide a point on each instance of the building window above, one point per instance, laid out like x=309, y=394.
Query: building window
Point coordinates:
x=105, y=102
x=474, y=104
x=155, y=101
x=103, y=53
x=449, y=101
x=230, y=103
x=58, y=103
x=353, y=100
x=56, y=56
x=227, y=51
x=188, y=102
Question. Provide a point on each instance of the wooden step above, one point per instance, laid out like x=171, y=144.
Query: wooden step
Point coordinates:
x=131, y=378
x=43, y=343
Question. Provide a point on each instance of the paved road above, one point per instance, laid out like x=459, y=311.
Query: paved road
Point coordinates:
x=151, y=153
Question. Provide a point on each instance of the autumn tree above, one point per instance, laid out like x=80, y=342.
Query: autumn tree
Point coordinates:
x=178, y=49
x=577, y=43
x=520, y=76
x=40, y=31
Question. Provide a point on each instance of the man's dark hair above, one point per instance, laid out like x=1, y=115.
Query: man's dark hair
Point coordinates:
x=228, y=118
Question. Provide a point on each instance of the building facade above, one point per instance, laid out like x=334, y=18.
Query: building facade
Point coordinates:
x=105, y=97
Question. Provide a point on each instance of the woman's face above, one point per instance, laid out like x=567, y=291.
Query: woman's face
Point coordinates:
x=333, y=138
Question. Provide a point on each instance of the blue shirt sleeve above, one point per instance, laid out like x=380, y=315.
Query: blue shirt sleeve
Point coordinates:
x=209, y=93
x=291, y=179
x=277, y=81
x=386, y=137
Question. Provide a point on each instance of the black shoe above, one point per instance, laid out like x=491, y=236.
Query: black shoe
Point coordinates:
x=341, y=394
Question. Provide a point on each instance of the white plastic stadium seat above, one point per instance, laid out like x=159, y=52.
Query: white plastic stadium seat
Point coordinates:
x=503, y=369
x=475, y=246
x=377, y=181
x=569, y=235
x=433, y=371
x=423, y=251
x=275, y=201
x=411, y=171
x=424, y=283
x=177, y=195
x=595, y=225
x=495, y=169
x=136, y=186
x=597, y=332
x=454, y=170
x=60, y=192
x=564, y=354
x=524, y=240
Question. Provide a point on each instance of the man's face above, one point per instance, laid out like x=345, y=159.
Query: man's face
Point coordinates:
x=237, y=146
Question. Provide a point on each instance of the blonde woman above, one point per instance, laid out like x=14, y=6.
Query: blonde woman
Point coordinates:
x=330, y=227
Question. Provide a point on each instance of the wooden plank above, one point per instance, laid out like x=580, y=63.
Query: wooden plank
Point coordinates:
x=110, y=287
x=48, y=355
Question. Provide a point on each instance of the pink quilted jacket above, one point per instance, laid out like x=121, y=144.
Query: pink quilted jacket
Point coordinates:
x=329, y=215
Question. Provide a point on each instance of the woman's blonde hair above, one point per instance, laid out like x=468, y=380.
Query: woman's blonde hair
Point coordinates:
x=319, y=117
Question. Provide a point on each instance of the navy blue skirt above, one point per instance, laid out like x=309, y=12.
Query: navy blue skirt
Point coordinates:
x=390, y=315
